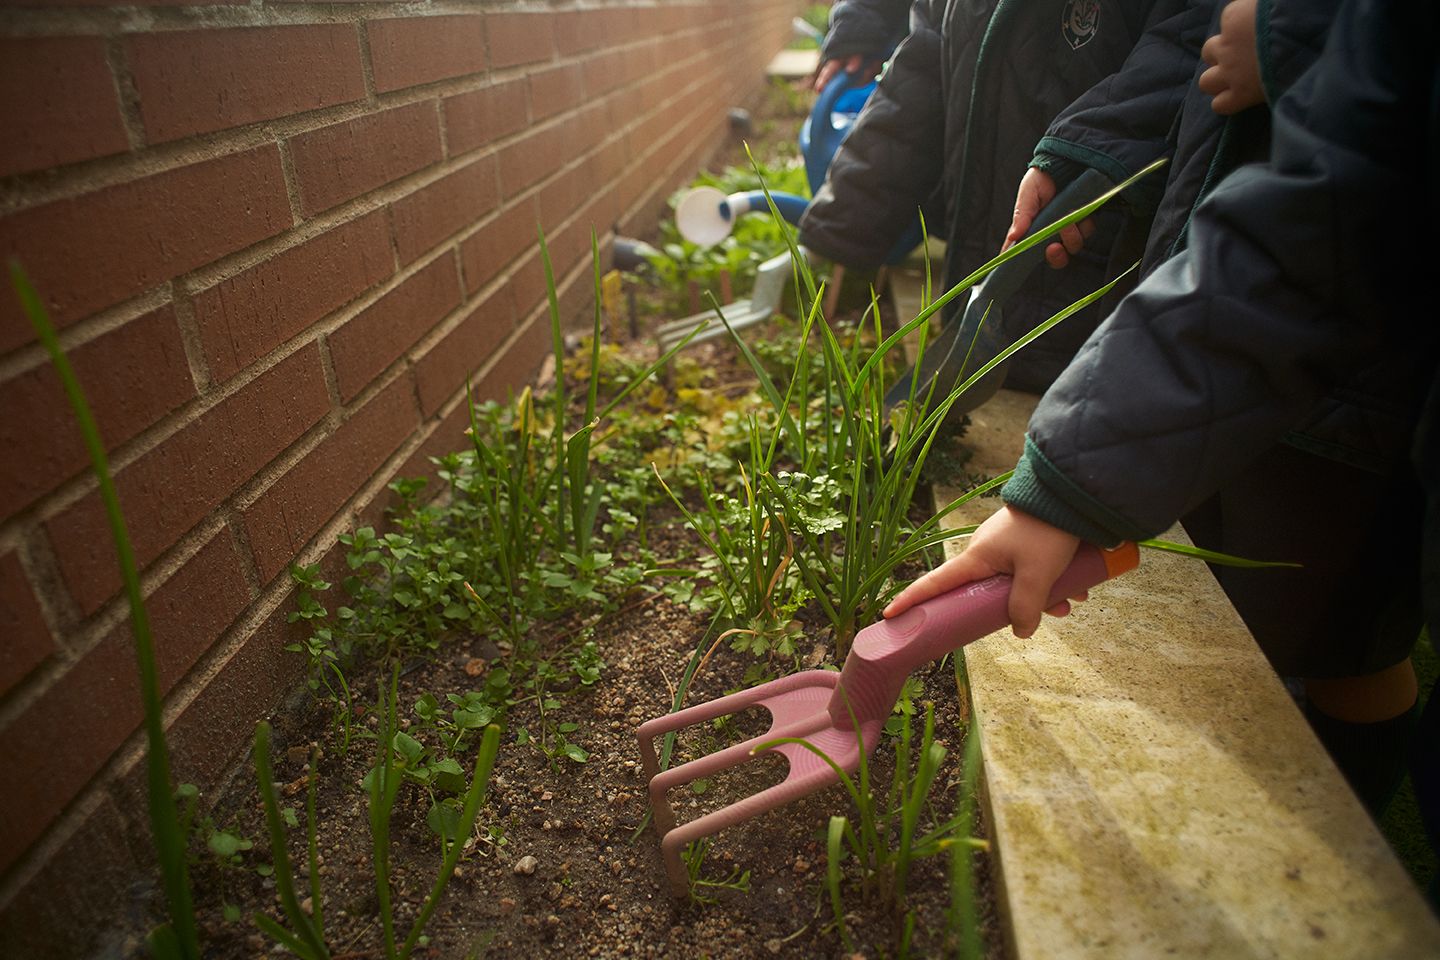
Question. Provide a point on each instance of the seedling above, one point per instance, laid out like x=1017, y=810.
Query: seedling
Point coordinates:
x=701, y=887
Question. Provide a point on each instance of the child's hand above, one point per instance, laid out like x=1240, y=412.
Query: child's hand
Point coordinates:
x=1233, y=80
x=852, y=64
x=1037, y=189
x=1013, y=542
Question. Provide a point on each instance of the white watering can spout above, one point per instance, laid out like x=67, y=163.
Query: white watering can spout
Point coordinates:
x=705, y=215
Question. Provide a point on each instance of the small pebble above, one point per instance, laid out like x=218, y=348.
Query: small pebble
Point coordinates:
x=801, y=865
x=526, y=865
x=507, y=904
x=773, y=945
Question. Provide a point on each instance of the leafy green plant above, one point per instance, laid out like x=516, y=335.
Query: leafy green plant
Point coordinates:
x=753, y=240
x=325, y=652
x=180, y=937
x=538, y=497
x=891, y=830
x=213, y=848
x=394, y=757
x=702, y=888
x=864, y=467
x=752, y=554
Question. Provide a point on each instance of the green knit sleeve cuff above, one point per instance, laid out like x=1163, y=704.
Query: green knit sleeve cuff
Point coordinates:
x=1041, y=490
x=1061, y=170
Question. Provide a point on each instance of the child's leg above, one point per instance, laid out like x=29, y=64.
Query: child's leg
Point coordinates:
x=1348, y=617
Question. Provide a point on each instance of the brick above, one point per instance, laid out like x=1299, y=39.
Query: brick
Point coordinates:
x=623, y=25
x=135, y=235
x=604, y=72
x=56, y=745
x=171, y=488
x=552, y=91
x=517, y=38
x=410, y=51
x=523, y=358
x=485, y=253
x=70, y=906
x=578, y=31
x=476, y=118
x=562, y=196
x=28, y=641
x=532, y=158
x=251, y=683
x=198, y=81
x=447, y=436
x=607, y=163
x=132, y=376
x=246, y=316
x=296, y=506
x=59, y=102
x=442, y=370
x=375, y=338
x=527, y=285
x=431, y=214
x=344, y=160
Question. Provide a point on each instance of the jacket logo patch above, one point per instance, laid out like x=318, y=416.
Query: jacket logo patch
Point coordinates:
x=1080, y=21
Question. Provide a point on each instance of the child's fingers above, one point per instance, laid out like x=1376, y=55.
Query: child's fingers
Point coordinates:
x=952, y=573
x=827, y=73
x=1028, y=593
x=1212, y=81
x=1056, y=256
x=1210, y=52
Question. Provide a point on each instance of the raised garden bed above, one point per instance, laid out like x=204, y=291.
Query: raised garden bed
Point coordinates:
x=560, y=861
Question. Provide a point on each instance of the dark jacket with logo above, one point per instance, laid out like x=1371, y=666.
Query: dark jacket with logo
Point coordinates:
x=871, y=28
x=1295, y=275
x=1114, y=128
x=953, y=125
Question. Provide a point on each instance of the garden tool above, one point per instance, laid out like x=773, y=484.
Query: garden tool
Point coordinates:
x=705, y=215
x=840, y=714
x=965, y=346
x=770, y=279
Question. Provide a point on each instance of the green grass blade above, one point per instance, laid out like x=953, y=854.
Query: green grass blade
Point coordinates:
x=284, y=937
x=963, y=917
x=164, y=818
x=1211, y=556
x=474, y=799
x=279, y=852
x=834, y=839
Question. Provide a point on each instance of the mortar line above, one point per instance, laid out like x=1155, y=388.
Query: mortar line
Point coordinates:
x=192, y=342
x=128, y=95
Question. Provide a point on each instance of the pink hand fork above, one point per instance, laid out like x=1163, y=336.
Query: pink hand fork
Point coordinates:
x=818, y=705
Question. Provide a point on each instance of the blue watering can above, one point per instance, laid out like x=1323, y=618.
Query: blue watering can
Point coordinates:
x=705, y=215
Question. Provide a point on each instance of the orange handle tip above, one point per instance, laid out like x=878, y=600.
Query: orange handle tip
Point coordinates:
x=1121, y=559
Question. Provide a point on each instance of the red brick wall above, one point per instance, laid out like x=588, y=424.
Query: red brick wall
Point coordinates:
x=277, y=236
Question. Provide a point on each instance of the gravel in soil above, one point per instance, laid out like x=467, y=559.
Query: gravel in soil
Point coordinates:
x=578, y=873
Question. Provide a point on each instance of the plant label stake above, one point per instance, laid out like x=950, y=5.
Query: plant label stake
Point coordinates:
x=841, y=714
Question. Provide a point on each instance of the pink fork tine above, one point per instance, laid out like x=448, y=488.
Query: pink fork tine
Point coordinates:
x=734, y=703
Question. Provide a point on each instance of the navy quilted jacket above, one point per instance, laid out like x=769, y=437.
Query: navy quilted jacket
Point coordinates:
x=952, y=127
x=1296, y=275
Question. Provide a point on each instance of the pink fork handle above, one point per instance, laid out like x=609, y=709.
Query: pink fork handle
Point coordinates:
x=885, y=653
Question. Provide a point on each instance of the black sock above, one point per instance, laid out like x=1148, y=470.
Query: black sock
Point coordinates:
x=1372, y=756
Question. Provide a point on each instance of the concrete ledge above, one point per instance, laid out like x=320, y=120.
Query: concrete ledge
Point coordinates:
x=1152, y=788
